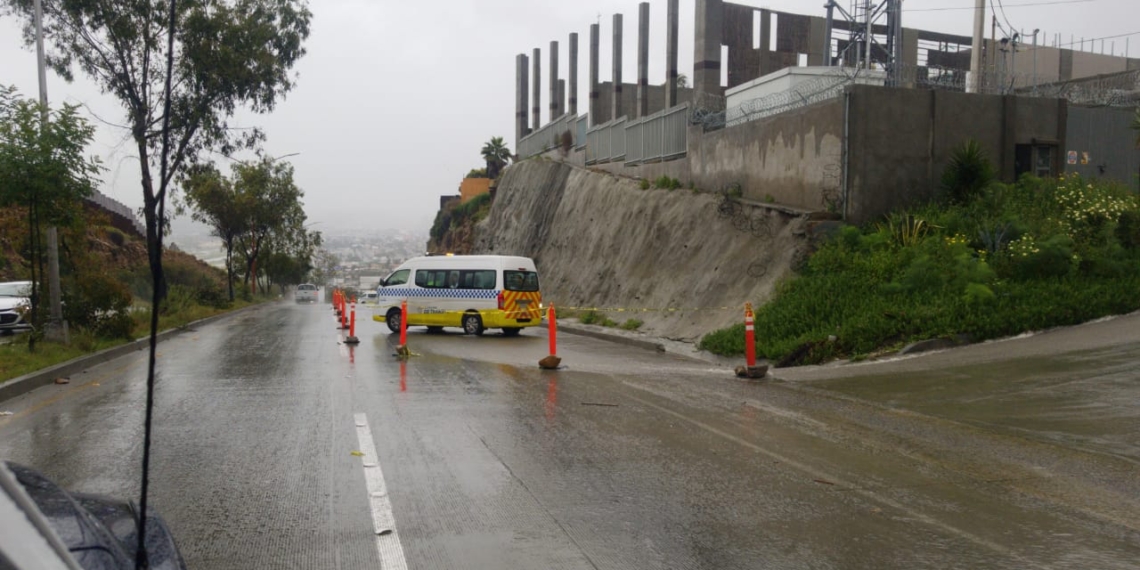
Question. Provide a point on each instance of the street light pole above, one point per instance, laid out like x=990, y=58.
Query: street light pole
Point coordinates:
x=54, y=295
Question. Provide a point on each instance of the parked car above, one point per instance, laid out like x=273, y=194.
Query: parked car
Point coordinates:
x=14, y=304
x=44, y=526
x=306, y=293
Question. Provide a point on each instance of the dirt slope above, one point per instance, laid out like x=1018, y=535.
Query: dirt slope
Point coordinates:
x=601, y=241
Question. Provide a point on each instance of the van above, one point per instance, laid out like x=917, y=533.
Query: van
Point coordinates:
x=472, y=292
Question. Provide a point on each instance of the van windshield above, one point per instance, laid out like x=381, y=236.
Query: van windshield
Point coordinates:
x=521, y=280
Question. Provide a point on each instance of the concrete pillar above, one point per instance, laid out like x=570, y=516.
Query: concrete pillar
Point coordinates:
x=616, y=103
x=706, y=47
x=555, y=112
x=672, y=15
x=561, y=96
x=595, y=95
x=522, y=97
x=573, y=73
x=643, y=59
x=536, y=108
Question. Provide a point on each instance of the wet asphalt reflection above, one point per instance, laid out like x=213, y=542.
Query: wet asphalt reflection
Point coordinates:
x=624, y=458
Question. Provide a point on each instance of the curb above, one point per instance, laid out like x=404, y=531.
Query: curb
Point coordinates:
x=639, y=343
x=23, y=384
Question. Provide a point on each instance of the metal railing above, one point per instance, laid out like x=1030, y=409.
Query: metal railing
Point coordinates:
x=659, y=136
x=581, y=127
x=606, y=142
x=549, y=136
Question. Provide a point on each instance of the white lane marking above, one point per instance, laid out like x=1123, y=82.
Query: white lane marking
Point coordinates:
x=383, y=521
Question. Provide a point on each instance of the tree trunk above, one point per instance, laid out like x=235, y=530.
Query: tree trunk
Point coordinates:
x=230, y=267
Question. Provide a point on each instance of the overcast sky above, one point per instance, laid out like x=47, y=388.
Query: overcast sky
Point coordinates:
x=395, y=98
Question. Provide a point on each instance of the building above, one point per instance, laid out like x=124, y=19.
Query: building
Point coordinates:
x=834, y=113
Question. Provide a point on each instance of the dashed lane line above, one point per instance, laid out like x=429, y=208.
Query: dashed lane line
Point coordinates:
x=383, y=520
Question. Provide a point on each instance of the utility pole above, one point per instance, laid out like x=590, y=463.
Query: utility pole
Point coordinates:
x=54, y=296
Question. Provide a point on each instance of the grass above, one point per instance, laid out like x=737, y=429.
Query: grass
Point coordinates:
x=1014, y=258
x=15, y=360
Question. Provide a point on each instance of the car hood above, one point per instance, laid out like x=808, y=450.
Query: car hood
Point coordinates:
x=7, y=303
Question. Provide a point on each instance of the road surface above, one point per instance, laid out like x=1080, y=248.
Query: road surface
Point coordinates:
x=277, y=446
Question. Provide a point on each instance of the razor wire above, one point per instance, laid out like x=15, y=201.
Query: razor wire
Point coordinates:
x=817, y=90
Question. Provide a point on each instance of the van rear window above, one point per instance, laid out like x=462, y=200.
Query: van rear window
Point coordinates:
x=456, y=278
x=521, y=280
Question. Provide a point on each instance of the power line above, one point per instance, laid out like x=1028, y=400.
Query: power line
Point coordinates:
x=1012, y=28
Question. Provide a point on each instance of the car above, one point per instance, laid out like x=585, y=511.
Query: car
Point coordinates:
x=368, y=298
x=44, y=526
x=14, y=303
x=306, y=293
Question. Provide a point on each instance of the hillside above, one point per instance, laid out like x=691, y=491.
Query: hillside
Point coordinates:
x=665, y=257
x=102, y=245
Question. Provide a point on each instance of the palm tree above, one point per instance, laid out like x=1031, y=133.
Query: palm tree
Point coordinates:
x=496, y=153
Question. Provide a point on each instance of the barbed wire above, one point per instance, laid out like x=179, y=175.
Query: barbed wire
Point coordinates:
x=1116, y=90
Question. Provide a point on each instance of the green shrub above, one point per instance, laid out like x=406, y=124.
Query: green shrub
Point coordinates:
x=591, y=318
x=631, y=324
x=667, y=183
x=100, y=304
x=968, y=173
x=1013, y=258
x=644, y=184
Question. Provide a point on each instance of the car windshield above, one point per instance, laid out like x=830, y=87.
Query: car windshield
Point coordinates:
x=15, y=289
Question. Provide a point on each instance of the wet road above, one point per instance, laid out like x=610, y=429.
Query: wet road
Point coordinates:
x=278, y=447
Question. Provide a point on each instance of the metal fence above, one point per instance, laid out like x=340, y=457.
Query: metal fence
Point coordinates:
x=549, y=136
x=606, y=142
x=580, y=130
x=659, y=136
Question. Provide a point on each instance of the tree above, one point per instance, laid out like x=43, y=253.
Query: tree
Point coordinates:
x=271, y=203
x=181, y=70
x=215, y=202
x=496, y=153
x=324, y=266
x=43, y=170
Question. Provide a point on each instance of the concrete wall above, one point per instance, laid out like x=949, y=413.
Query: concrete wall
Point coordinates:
x=787, y=158
x=1103, y=133
x=902, y=139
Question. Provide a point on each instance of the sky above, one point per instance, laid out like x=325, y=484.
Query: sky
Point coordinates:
x=395, y=98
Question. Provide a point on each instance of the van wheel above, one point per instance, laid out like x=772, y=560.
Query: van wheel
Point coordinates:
x=393, y=320
x=511, y=331
x=473, y=324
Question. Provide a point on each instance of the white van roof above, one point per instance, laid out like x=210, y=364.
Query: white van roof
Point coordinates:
x=489, y=261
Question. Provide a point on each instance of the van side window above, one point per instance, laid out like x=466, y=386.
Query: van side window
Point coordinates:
x=398, y=278
x=455, y=279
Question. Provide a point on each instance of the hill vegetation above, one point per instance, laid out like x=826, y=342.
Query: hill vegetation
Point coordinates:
x=994, y=260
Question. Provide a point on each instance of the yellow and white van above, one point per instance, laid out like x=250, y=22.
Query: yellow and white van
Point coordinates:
x=472, y=292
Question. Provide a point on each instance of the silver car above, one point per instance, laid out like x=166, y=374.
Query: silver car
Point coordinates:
x=14, y=304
